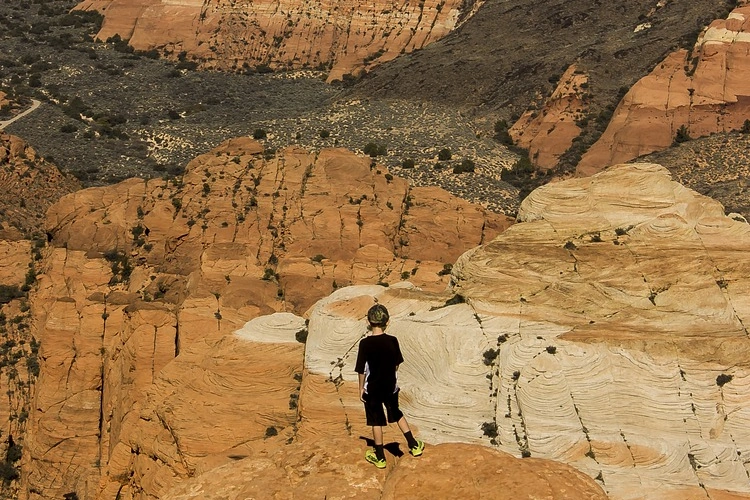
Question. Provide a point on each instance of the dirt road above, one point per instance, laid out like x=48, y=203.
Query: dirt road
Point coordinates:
x=34, y=104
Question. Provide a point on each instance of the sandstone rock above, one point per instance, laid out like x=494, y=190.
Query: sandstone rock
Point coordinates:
x=332, y=468
x=549, y=132
x=605, y=331
x=469, y=471
x=345, y=38
x=143, y=383
x=705, y=89
x=29, y=185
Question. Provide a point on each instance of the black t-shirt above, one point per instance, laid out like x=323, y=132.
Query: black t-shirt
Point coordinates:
x=377, y=358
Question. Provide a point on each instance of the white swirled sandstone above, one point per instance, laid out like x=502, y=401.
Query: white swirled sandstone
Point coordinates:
x=617, y=311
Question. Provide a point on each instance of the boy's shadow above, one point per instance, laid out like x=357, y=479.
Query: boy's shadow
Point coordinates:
x=392, y=448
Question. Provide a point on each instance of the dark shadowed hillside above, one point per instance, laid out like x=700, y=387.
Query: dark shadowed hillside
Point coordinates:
x=509, y=55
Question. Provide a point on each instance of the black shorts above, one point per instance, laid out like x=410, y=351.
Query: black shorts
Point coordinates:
x=374, y=408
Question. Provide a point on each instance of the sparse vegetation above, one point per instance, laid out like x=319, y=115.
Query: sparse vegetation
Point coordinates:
x=682, y=135
x=723, y=379
x=489, y=356
x=489, y=429
x=373, y=149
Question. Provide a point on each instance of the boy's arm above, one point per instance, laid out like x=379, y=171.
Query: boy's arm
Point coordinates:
x=362, y=387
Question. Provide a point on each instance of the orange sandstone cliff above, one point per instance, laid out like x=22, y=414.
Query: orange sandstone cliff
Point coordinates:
x=141, y=384
x=340, y=36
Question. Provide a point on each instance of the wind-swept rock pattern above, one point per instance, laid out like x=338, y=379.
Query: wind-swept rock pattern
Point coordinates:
x=607, y=331
x=704, y=90
x=343, y=37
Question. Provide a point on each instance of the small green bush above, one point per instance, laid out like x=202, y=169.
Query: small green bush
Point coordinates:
x=372, y=149
x=723, y=379
x=301, y=336
x=444, y=154
x=489, y=429
x=259, y=133
x=490, y=355
x=682, y=135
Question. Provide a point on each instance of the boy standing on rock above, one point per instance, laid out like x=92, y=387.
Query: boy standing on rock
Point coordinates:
x=377, y=363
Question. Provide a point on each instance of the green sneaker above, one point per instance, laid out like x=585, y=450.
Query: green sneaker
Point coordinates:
x=417, y=450
x=373, y=459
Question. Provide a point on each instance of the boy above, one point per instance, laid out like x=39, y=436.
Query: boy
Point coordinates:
x=377, y=363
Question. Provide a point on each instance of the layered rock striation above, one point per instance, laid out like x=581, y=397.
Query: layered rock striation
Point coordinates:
x=340, y=37
x=607, y=330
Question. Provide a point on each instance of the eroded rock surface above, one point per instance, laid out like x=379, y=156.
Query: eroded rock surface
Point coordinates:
x=549, y=132
x=142, y=383
x=29, y=185
x=706, y=90
x=342, y=37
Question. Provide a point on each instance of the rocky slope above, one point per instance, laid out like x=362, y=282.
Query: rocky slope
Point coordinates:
x=29, y=185
x=345, y=38
x=141, y=383
x=494, y=66
x=705, y=89
x=717, y=166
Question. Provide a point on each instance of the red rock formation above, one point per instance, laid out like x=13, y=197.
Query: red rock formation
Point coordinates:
x=342, y=37
x=706, y=90
x=142, y=384
x=447, y=471
x=549, y=132
x=29, y=185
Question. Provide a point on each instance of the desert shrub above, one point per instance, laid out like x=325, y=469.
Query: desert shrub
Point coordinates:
x=8, y=473
x=9, y=292
x=723, y=379
x=681, y=136
x=259, y=133
x=372, y=149
x=490, y=355
x=444, y=154
x=501, y=133
x=407, y=163
x=120, y=266
x=745, y=127
x=301, y=336
x=489, y=429
x=447, y=268
x=68, y=128
x=465, y=166
x=324, y=134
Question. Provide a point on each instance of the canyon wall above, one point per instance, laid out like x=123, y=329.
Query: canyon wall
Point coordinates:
x=229, y=35
x=141, y=383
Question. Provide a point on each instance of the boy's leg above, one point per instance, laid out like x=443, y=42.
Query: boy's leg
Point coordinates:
x=394, y=414
x=411, y=442
x=377, y=436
